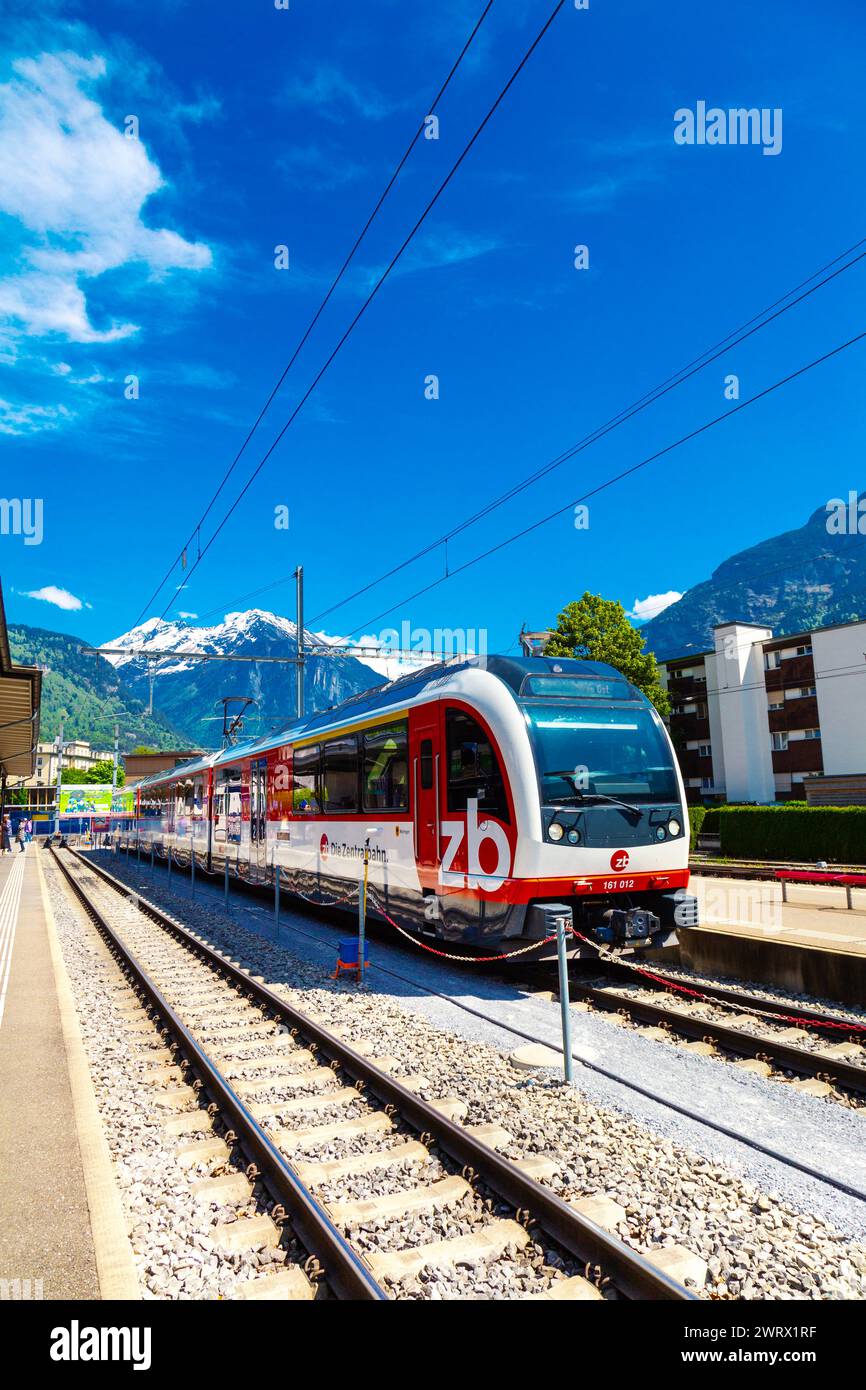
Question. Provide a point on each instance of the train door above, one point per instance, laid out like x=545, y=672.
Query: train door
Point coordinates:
x=425, y=741
x=258, y=812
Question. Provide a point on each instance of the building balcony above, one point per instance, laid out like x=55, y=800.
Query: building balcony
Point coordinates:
x=801, y=713
x=803, y=755
x=686, y=727
x=797, y=670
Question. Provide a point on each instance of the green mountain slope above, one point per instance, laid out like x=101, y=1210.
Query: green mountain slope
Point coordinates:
x=86, y=693
x=806, y=578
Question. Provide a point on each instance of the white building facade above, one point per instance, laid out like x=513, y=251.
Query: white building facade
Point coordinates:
x=758, y=717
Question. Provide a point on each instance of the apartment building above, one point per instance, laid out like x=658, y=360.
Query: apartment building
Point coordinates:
x=758, y=717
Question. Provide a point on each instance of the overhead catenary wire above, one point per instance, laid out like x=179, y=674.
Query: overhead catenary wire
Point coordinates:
x=323, y=305
x=610, y=482
x=746, y=330
x=379, y=283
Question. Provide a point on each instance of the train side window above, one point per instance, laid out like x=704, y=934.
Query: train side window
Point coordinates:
x=340, y=774
x=386, y=769
x=426, y=763
x=305, y=780
x=473, y=767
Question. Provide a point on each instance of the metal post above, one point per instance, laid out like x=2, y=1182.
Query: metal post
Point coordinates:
x=116, y=755
x=848, y=897
x=59, y=779
x=138, y=846
x=192, y=868
x=276, y=901
x=299, y=669
x=362, y=913
x=562, y=926
x=226, y=878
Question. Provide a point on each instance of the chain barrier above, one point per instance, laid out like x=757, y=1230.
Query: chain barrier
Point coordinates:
x=445, y=955
x=668, y=982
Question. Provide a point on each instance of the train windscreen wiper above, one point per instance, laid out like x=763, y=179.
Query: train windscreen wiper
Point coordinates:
x=595, y=796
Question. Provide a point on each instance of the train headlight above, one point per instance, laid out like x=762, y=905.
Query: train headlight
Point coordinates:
x=573, y=837
x=555, y=830
x=661, y=833
x=674, y=827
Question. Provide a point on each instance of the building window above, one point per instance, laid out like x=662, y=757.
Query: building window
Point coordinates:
x=811, y=733
x=706, y=784
x=776, y=705
x=804, y=651
x=772, y=660
x=705, y=750
x=779, y=742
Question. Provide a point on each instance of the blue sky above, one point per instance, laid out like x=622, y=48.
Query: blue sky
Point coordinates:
x=259, y=127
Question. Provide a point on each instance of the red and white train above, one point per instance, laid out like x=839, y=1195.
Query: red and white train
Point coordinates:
x=492, y=795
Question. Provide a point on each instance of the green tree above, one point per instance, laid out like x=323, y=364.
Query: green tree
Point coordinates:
x=102, y=772
x=597, y=629
x=87, y=776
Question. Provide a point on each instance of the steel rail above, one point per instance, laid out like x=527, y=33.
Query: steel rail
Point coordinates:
x=344, y=1269
x=848, y=1074
x=726, y=994
x=632, y=1274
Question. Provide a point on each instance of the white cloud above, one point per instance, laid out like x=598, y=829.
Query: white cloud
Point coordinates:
x=76, y=187
x=61, y=598
x=650, y=607
x=335, y=96
x=181, y=614
x=17, y=418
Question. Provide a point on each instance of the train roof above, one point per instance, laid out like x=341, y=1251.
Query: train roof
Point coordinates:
x=510, y=670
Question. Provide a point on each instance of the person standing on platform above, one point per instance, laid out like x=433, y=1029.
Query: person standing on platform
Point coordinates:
x=21, y=837
x=28, y=829
x=6, y=835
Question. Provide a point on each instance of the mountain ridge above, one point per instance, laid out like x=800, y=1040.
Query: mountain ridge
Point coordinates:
x=801, y=579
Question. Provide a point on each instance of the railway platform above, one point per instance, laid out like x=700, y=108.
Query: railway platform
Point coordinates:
x=811, y=944
x=62, y=1234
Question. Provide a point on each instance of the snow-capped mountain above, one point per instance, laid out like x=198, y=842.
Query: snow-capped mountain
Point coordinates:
x=236, y=631
x=187, y=692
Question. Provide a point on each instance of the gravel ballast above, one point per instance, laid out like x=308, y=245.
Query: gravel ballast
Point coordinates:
x=765, y=1230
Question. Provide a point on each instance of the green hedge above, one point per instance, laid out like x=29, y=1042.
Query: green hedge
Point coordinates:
x=697, y=815
x=790, y=831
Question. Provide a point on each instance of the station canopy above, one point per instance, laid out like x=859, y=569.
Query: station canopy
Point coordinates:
x=20, y=695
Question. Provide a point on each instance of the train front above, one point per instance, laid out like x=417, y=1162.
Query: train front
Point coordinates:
x=611, y=849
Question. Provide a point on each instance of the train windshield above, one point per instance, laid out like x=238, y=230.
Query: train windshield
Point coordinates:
x=593, y=754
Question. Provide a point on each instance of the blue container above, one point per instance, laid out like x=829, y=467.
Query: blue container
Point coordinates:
x=348, y=950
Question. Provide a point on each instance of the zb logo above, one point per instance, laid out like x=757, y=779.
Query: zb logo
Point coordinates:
x=487, y=833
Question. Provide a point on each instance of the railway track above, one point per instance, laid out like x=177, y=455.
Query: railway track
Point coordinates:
x=817, y=1046
x=286, y=1090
